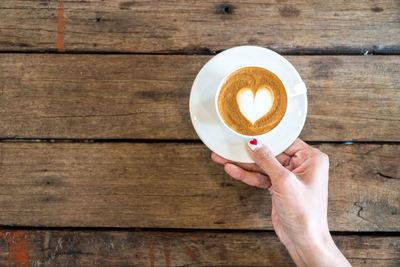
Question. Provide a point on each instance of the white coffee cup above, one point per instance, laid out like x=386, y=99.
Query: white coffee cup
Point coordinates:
x=298, y=89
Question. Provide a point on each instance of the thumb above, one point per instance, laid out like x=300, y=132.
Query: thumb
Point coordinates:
x=264, y=158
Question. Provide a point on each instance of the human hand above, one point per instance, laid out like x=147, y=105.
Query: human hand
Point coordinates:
x=298, y=182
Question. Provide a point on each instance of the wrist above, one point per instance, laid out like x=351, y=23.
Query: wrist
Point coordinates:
x=318, y=250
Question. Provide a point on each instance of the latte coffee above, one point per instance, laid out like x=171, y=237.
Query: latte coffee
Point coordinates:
x=252, y=101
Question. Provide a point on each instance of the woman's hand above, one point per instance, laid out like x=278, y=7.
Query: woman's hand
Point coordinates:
x=298, y=182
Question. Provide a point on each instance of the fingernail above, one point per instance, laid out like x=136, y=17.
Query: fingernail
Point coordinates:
x=254, y=143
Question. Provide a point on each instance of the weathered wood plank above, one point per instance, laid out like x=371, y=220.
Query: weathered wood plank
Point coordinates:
x=178, y=186
x=200, y=26
x=146, y=96
x=151, y=248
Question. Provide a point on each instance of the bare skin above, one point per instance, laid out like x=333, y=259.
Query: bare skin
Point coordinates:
x=297, y=180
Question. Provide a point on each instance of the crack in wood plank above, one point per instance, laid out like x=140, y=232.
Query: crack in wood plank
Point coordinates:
x=387, y=176
x=361, y=208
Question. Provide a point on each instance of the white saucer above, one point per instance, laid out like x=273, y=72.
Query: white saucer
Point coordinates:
x=202, y=102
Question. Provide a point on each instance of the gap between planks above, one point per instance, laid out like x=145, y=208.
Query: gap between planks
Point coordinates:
x=207, y=52
x=175, y=230
x=188, y=141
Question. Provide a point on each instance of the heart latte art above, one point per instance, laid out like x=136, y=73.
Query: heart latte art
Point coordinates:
x=252, y=101
x=253, y=107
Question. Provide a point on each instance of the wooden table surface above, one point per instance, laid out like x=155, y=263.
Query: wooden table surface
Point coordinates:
x=99, y=162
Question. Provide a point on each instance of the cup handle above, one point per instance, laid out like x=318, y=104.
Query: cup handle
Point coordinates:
x=299, y=89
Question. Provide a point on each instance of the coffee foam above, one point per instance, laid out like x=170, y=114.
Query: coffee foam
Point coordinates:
x=252, y=101
x=253, y=107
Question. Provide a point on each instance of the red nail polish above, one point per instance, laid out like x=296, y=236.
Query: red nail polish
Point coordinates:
x=253, y=142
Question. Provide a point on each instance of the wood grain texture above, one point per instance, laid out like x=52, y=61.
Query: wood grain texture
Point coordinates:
x=157, y=248
x=146, y=96
x=176, y=185
x=200, y=26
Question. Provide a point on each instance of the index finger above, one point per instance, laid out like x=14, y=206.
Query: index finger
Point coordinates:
x=296, y=147
x=247, y=166
x=251, y=178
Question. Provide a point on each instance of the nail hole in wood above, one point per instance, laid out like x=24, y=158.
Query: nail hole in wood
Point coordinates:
x=225, y=9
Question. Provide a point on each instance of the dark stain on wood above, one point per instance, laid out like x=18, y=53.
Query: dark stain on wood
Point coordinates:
x=45, y=2
x=320, y=69
x=288, y=11
x=11, y=44
x=195, y=50
x=126, y=5
x=252, y=41
x=47, y=181
x=160, y=96
x=377, y=9
x=323, y=69
x=150, y=95
x=23, y=45
x=226, y=184
x=49, y=199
